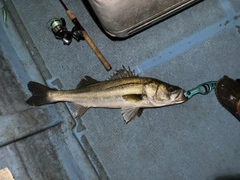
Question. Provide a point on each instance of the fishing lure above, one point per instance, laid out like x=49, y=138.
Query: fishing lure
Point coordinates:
x=203, y=89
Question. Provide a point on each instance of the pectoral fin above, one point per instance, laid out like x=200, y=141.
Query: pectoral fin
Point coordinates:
x=132, y=97
x=130, y=113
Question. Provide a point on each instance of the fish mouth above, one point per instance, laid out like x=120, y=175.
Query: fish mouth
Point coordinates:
x=180, y=97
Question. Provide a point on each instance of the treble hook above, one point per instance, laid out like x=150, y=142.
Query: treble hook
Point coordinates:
x=202, y=89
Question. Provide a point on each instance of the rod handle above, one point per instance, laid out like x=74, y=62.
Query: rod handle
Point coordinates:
x=70, y=14
x=102, y=59
x=90, y=42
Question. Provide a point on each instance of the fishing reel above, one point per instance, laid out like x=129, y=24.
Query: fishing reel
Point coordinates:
x=60, y=31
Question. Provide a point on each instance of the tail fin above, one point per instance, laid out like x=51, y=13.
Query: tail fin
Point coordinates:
x=39, y=94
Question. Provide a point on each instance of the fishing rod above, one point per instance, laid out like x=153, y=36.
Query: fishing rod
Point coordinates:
x=90, y=42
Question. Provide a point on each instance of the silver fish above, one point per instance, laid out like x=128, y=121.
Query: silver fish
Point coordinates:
x=123, y=90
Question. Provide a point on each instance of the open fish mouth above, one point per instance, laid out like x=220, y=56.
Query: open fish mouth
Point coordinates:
x=180, y=97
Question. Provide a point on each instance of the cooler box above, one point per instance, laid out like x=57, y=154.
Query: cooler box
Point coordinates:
x=122, y=18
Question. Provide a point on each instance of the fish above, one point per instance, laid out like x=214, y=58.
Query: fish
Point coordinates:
x=124, y=89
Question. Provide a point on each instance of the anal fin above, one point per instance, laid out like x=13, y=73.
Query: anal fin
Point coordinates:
x=77, y=110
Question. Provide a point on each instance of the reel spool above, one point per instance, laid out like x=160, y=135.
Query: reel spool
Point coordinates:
x=60, y=31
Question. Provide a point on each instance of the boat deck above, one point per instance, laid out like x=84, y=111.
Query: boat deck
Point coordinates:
x=198, y=139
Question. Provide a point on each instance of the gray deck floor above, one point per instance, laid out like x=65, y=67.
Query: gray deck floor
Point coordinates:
x=195, y=140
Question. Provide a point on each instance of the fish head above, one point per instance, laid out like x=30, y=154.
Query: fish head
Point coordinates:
x=162, y=94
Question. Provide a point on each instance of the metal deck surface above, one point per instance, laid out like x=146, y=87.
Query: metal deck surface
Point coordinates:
x=195, y=140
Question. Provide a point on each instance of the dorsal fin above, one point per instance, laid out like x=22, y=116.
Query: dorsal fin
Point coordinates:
x=123, y=73
x=87, y=80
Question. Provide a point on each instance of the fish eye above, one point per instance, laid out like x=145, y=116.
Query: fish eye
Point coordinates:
x=171, y=89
